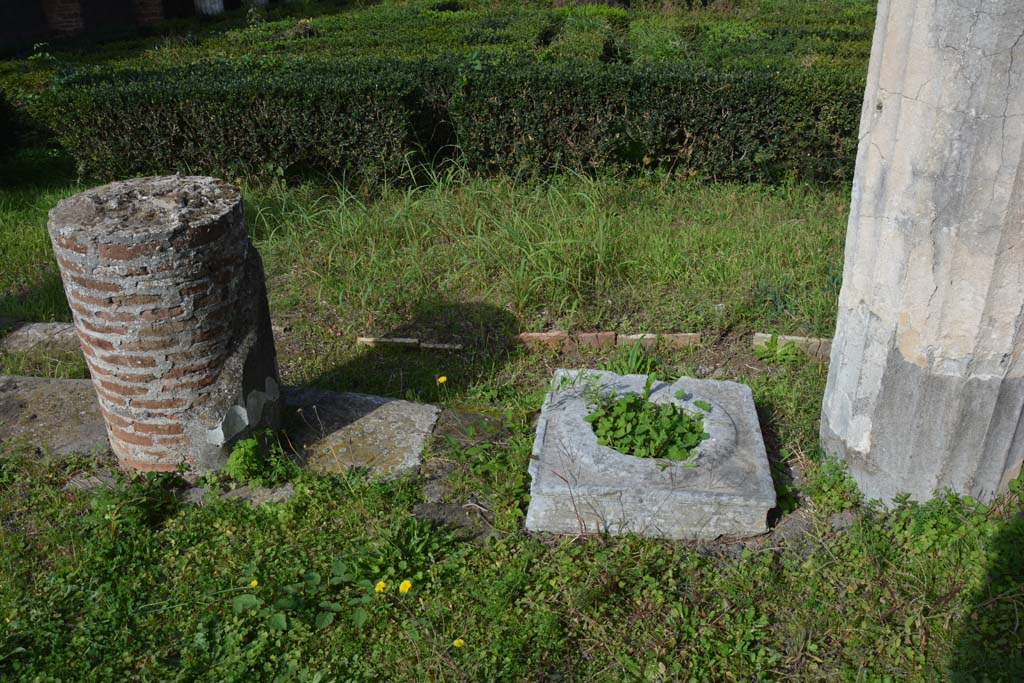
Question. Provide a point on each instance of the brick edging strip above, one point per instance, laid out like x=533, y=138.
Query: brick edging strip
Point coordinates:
x=23, y=337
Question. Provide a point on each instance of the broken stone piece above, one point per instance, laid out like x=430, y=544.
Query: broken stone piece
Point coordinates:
x=339, y=430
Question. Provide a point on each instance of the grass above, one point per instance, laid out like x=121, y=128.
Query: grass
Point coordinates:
x=135, y=585
x=637, y=254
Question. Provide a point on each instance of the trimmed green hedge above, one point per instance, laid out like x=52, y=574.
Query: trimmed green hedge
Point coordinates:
x=363, y=118
x=746, y=125
x=372, y=117
x=8, y=126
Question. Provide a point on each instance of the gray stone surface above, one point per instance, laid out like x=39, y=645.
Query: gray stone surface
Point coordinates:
x=57, y=416
x=926, y=381
x=342, y=429
x=21, y=337
x=816, y=347
x=582, y=487
x=91, y=481
x=258, y=495
x=339, y=429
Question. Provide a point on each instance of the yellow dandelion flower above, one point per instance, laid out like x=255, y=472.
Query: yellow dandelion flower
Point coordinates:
x=442, y=379
x=254, y=583
x=379, y=588
x=404, y=586
x=458, y=642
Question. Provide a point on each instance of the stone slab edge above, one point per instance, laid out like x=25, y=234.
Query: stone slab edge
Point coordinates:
x=557, y=340
x=817, y=347
x=19, y=337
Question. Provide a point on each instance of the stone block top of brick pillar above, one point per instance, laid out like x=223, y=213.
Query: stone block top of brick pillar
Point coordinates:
x=133, y=210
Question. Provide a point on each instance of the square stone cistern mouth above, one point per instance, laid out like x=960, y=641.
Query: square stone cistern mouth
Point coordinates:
x=580, y=486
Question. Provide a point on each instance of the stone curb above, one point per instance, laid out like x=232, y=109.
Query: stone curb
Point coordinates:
x=816, y=347
x=562, y=341
x=407, y=343
x=61, y=337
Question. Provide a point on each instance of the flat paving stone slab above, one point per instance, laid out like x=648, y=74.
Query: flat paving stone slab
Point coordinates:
x=58, y=416
x=581, y=487
x=343, y=429
x=339, y=429
x=21, y=337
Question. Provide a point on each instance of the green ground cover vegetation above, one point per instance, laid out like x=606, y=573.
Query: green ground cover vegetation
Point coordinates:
x=134, y=584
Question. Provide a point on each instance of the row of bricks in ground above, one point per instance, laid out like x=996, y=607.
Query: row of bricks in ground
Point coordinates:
x=563, y=341
x=559, y=341
x=819, y=347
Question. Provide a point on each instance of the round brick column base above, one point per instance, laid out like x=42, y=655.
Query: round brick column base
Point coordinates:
x=170, y=306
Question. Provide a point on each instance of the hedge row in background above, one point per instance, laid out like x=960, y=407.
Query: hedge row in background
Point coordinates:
x=7, y=126
x=755, y=124
x=373, y=117
x=226, y=118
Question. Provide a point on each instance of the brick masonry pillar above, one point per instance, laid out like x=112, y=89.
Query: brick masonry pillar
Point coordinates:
x=148, y=12
x=169, y=303
x=64, y=17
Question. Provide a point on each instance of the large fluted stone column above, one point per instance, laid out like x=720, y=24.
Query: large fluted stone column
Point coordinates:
x=926, y=384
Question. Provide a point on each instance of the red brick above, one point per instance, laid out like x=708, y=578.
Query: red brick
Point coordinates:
x=114, y=419
x=680, y=340
x=192, y=291
x=197, y=384
x=111, y=398
x=168, y=328
x=172, y=440
x=538, y=340
x=97, y=285
x=115, y=316
x=162, y=429
x=223, y=276
x=100, y=329
x=127, y=252
x=130, y=361
x=157, y=404
x=596, y=340
x=122, y=389
x=198, y=235
x=68, y=264
x=82, y=311
x=207, y=300
x=158, y=344
x=81, y=298
x=193, y=369
x=130, y=437
x=95, y=342
x=71, y=245
x=135, y=378
x=135, y=299
x=155, y=314
x=646, y=340
x=209, y=333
